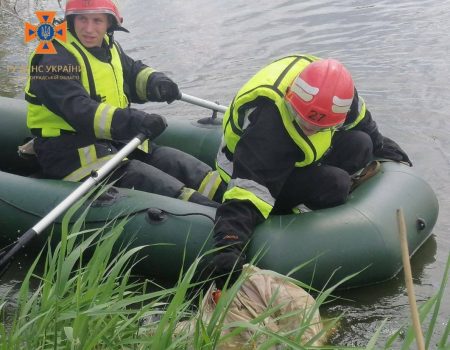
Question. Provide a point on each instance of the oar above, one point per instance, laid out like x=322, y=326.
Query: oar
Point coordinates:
x=203, y=103
x=80, y=191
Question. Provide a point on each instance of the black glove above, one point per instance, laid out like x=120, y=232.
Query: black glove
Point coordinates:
x=128, y=122
x=151, y=125
x=226, y=265
x=391, y=150
x=160, y=88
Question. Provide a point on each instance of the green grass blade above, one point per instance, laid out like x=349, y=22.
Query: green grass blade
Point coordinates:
x=439, y=298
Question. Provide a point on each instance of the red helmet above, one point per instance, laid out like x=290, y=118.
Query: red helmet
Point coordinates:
x=79, y=7
x=322, y=93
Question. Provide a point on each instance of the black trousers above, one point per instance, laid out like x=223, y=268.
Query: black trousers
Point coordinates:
x=327, y=183
x=165, y=171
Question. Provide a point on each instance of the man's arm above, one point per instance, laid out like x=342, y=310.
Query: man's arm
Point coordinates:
x=360, y=118
x=264, y=158
x=64, y=94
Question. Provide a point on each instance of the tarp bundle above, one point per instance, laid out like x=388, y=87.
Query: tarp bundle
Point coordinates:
x=271, y=303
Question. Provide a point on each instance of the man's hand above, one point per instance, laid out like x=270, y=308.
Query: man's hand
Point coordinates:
x=151, y=125
x=226, y=265
x=128, y=122
x=391, y=150
x=160, y=88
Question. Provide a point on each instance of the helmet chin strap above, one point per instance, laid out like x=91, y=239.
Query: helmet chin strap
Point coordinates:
x=110, y=34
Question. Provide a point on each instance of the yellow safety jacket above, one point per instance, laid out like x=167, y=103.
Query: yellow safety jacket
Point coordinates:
x=104, y=82
x=270, y=82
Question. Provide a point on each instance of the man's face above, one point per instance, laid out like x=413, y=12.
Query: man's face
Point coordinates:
x=91, y=28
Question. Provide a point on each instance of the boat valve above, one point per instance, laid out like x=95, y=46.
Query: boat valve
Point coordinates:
x=213, y=120
x=420, y=224
x=156, y=216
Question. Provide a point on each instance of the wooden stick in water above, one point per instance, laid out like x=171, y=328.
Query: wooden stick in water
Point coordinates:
x=409, y=280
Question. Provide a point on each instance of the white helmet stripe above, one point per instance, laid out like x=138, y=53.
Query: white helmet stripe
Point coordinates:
x=341, y=105
x=303, y=90
x=342, y=101
x=340, y=109
x=305, y=86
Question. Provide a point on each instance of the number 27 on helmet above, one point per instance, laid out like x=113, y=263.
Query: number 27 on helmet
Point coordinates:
x=321, y=96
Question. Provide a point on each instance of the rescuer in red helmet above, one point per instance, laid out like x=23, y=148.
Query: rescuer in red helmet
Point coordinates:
x=293, y=135
x=78, y=109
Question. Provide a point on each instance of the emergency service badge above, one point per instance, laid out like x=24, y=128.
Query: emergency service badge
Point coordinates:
x=45, y=32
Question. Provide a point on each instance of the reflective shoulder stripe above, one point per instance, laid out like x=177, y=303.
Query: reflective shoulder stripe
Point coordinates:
x=86, y=170
x=141, y=83
x=102, y=121
x=259, y=195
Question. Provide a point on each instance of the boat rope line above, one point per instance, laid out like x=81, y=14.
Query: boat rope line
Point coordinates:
x=162, y=211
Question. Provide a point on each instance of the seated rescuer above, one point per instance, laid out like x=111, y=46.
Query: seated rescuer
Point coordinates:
x=78, y=108
x=293, y=134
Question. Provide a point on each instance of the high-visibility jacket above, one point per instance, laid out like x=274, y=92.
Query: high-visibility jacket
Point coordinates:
x=104, y=83
x=271, y=82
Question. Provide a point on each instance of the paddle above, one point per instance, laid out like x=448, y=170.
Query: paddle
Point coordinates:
x=81, y=190
x=203, y=103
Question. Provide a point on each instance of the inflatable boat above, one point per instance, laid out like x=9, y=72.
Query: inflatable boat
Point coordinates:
x=358, y=236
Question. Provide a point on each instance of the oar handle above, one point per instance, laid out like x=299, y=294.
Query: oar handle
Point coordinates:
x=203, y=103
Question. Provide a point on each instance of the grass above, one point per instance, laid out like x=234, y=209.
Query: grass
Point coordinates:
x=87, y=299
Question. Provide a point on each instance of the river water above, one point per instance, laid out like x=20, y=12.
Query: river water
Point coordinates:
x=397, y=54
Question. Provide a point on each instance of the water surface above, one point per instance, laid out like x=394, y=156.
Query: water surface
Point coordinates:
x=398, y=55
